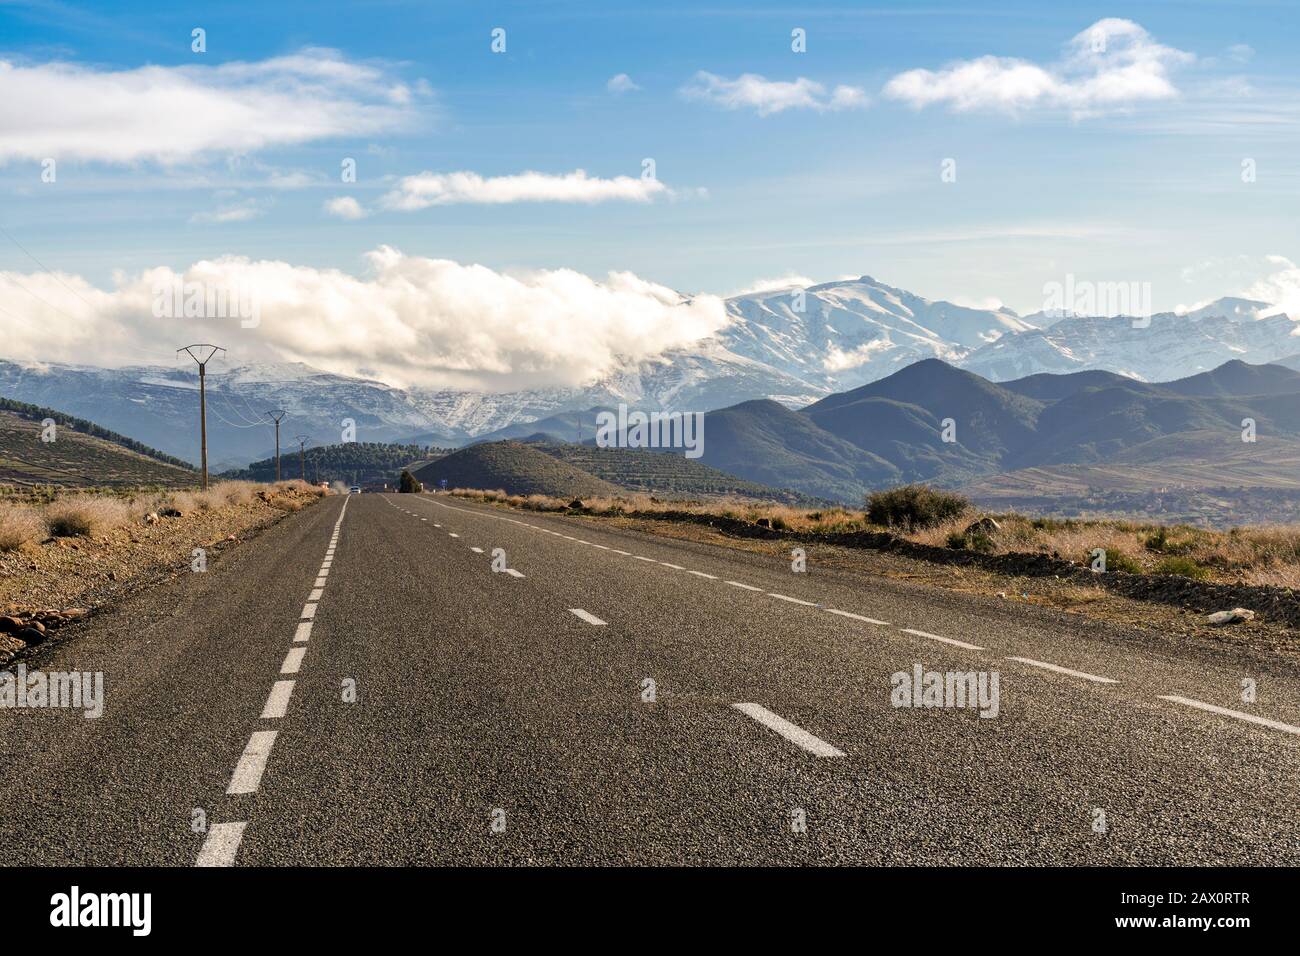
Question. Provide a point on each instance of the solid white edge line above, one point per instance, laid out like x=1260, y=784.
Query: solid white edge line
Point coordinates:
x=513, y=573
x=293, y=660
x=701, y=574
x=791, y=732
x=252, y=762
x=946, y=640
x=586, y=616
x=1224, y=711
x=277, y=702
x=221, y=844
x=747, y=587
x=1063, y=670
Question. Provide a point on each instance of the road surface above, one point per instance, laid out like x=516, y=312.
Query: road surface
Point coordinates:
x=358, y=685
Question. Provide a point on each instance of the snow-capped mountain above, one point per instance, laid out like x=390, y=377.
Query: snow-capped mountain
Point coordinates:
x=792, y=345
x=1169, y=347
x=841, y=334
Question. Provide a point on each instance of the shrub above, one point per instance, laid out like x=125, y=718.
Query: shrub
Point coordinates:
x=1185, y=567
x=18, y=526
x=1117, y=560
x=914, y=506
x=407, y=484
x=85, y=515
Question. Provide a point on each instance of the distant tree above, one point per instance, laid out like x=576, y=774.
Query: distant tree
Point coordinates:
x=408, y=485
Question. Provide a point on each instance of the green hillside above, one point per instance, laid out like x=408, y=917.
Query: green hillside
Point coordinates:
x=664, y=474
x=353, y=463
x=515, y=468
x=82, y=454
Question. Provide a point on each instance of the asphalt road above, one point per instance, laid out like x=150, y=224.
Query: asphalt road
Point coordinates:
x=387, y=697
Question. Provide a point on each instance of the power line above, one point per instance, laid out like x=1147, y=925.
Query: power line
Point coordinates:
x=194, y=351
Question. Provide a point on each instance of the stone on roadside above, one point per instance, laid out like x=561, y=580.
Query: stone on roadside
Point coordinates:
x=1236, y=615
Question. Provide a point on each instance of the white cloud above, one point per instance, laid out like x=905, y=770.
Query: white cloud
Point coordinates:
x=1281, y=287
x=409, y=321
x=175, y=114
x=344, y=207
x=1113, y=64
x=621, y=83
x=776, y=284
x=442, y=189
x=242, y=211
x=764, y=96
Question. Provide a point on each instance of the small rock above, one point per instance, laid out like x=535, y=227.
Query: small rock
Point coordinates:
x=764, y=523
x=985, y=525
x=1236, y=615
x=30, y=636
x=576, y=504
x=169, y=513
x=152, y=518
x=10, y=625
x=1003, y=595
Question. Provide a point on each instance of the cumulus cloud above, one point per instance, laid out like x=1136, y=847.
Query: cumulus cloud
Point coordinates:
x=443, y=189
x=408, y=320
x=765, y=97
x=621, y=83
x=171, y=114
x=1112, y=64
x=344, y=207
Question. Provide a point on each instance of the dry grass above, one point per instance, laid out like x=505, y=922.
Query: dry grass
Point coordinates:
x=19, y=525
x=85, y=515
x=1248, y=555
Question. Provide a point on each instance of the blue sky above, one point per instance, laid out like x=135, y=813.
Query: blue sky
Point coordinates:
x=1130, y=170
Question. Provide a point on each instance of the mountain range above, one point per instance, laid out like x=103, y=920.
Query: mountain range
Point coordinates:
x=792, y=347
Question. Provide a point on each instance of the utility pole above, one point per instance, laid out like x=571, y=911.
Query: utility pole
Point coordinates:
x=275, y=417
x=302, y=453
x=207, y=351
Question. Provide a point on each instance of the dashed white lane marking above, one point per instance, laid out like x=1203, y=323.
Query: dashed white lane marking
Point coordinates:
x=1224, y=711
x=301, y=635
x=1063, y=670
x=424, y=519
x=320, y=582
x=584, y=615
x=791, y=732
x=792, y=600
x=308, y=611
x=436, y=525
x=702, y=574
x=944, y=640
x=856, y=617
x=452, y=534
x=293, y=660
x=315, y=594
x=277, y=703
x=747, y=587
x=221, y=845
x=248, y=772
x=477, y=550
x=512, y=572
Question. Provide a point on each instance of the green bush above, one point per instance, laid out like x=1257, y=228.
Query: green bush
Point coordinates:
x=914, y=506
x=1185, y=567
x=408, y=485
x=1117, y=561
